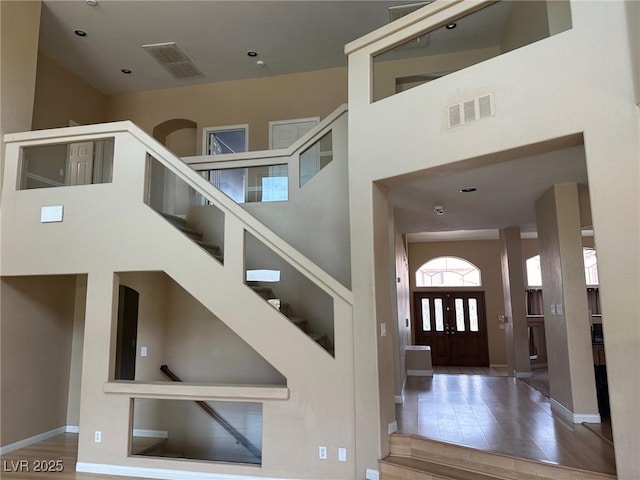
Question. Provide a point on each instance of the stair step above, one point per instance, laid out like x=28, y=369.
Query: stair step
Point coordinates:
x=400, y=468
x=492, y=465
x=193, y=234
x=317, y=337
x=177, y=221
x=210, y=247
x=300, y=322
x=264, y=292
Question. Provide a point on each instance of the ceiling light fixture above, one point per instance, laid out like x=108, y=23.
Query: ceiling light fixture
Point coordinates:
x=80, y=32
x=260, y=64
x=92, y=3
x=438, y=210
x=451, y=26
x=126, y=71
x=468, y=189
x=252, y=53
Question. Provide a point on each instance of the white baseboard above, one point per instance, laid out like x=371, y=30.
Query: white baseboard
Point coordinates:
x=31, y=440
x=569, y=416
x=140, y=432
x=161, y=473
x=399, y=399
x=372, y=474
x=72, y=429
x=524, y=374
x=420, y=373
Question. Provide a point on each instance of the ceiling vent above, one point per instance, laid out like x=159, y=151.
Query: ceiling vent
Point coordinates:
x=400, y=11
x=174, y=60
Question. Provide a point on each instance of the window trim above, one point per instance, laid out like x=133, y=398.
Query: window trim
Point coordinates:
x=207, y=130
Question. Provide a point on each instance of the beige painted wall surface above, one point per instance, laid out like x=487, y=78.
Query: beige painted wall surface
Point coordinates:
x=75, y=373
x=19, y=31
x=403, y=315
x=485, y=254
x=564, y=98
x=37, y=333
x=61, y=96
x=528, y=22
x=255, y=102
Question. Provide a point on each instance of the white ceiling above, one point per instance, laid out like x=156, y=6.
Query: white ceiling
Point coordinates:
x=505, y=196
x=290, y=36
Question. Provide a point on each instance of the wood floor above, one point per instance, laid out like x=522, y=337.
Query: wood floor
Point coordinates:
x=492, y=413
x=499, y=414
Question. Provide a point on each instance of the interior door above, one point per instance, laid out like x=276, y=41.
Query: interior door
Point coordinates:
x=80, y=171
x=126, y=344
x=284, y=133
x=454, y=325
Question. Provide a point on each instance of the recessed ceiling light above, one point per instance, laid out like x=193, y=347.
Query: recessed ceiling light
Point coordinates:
x=126, y=71
x=468, y=189
x=252, y=53
x=80, y=32
x=451, y=26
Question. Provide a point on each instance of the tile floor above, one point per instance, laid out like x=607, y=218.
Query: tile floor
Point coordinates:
x=498, y=414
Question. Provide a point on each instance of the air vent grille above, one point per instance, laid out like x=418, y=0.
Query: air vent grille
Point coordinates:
x=471, y=110
x=174, y=60
x=400, y=11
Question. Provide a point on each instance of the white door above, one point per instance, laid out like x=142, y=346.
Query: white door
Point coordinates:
x=284, y=133
x=80, y=171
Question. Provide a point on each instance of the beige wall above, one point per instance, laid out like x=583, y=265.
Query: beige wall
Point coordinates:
x=485, y=254
x=564, y=99
x=528, y=22
x=19, y=27
x=61, y=96
x=254, y=102
x=569, y=352
x=403, y=313
x=75, y=373
x=37, y=335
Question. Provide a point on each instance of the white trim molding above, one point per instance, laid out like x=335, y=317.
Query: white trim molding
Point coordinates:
x=524, y=374
x=161, y=473
x=420, y=373
x=399, y=399
x=72, y=429
x=31, y=440
x=569, y=416
x=139, y=432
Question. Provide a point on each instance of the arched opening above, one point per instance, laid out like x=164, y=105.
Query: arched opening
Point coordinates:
x=179, y=135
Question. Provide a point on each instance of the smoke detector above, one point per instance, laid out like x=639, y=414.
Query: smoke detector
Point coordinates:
x=438, y=210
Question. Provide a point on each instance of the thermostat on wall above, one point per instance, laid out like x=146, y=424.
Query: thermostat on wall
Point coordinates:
x=51, y=214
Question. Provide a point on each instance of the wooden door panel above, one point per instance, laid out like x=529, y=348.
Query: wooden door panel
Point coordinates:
x=454, y=325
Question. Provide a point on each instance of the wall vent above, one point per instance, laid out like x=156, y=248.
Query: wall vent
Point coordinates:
x=399, y=11
x=174, y=60
x=471, y=110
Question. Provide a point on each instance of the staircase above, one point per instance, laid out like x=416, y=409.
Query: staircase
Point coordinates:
x=418, y=458
x=263, y=291
x=181, y=224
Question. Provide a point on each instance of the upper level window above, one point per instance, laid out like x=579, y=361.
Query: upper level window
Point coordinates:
x=534, y=275
x=229, y=139
x=448, y=272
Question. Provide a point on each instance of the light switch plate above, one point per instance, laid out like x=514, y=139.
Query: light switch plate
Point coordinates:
x=553, y=309
x=342, y=454
x=143, y=351
x=383, y=329
x=559, y=309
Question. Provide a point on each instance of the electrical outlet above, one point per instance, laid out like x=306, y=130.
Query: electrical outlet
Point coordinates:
x=143, y=351
x=559, y=309
x=322, y=453
x=98, y=436
x=383, y=329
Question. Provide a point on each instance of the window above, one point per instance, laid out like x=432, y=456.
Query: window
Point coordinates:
x=228, y=139
x=448, y=272
x=534, y=274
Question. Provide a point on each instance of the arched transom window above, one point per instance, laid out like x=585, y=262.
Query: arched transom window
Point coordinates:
x=448, y=272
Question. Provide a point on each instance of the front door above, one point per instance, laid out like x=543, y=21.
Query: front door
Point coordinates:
x=454, y=325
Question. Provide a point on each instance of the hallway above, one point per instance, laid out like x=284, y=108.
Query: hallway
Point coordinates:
x=498, y=414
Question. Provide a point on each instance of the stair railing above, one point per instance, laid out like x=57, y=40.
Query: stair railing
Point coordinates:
x=234, y=432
